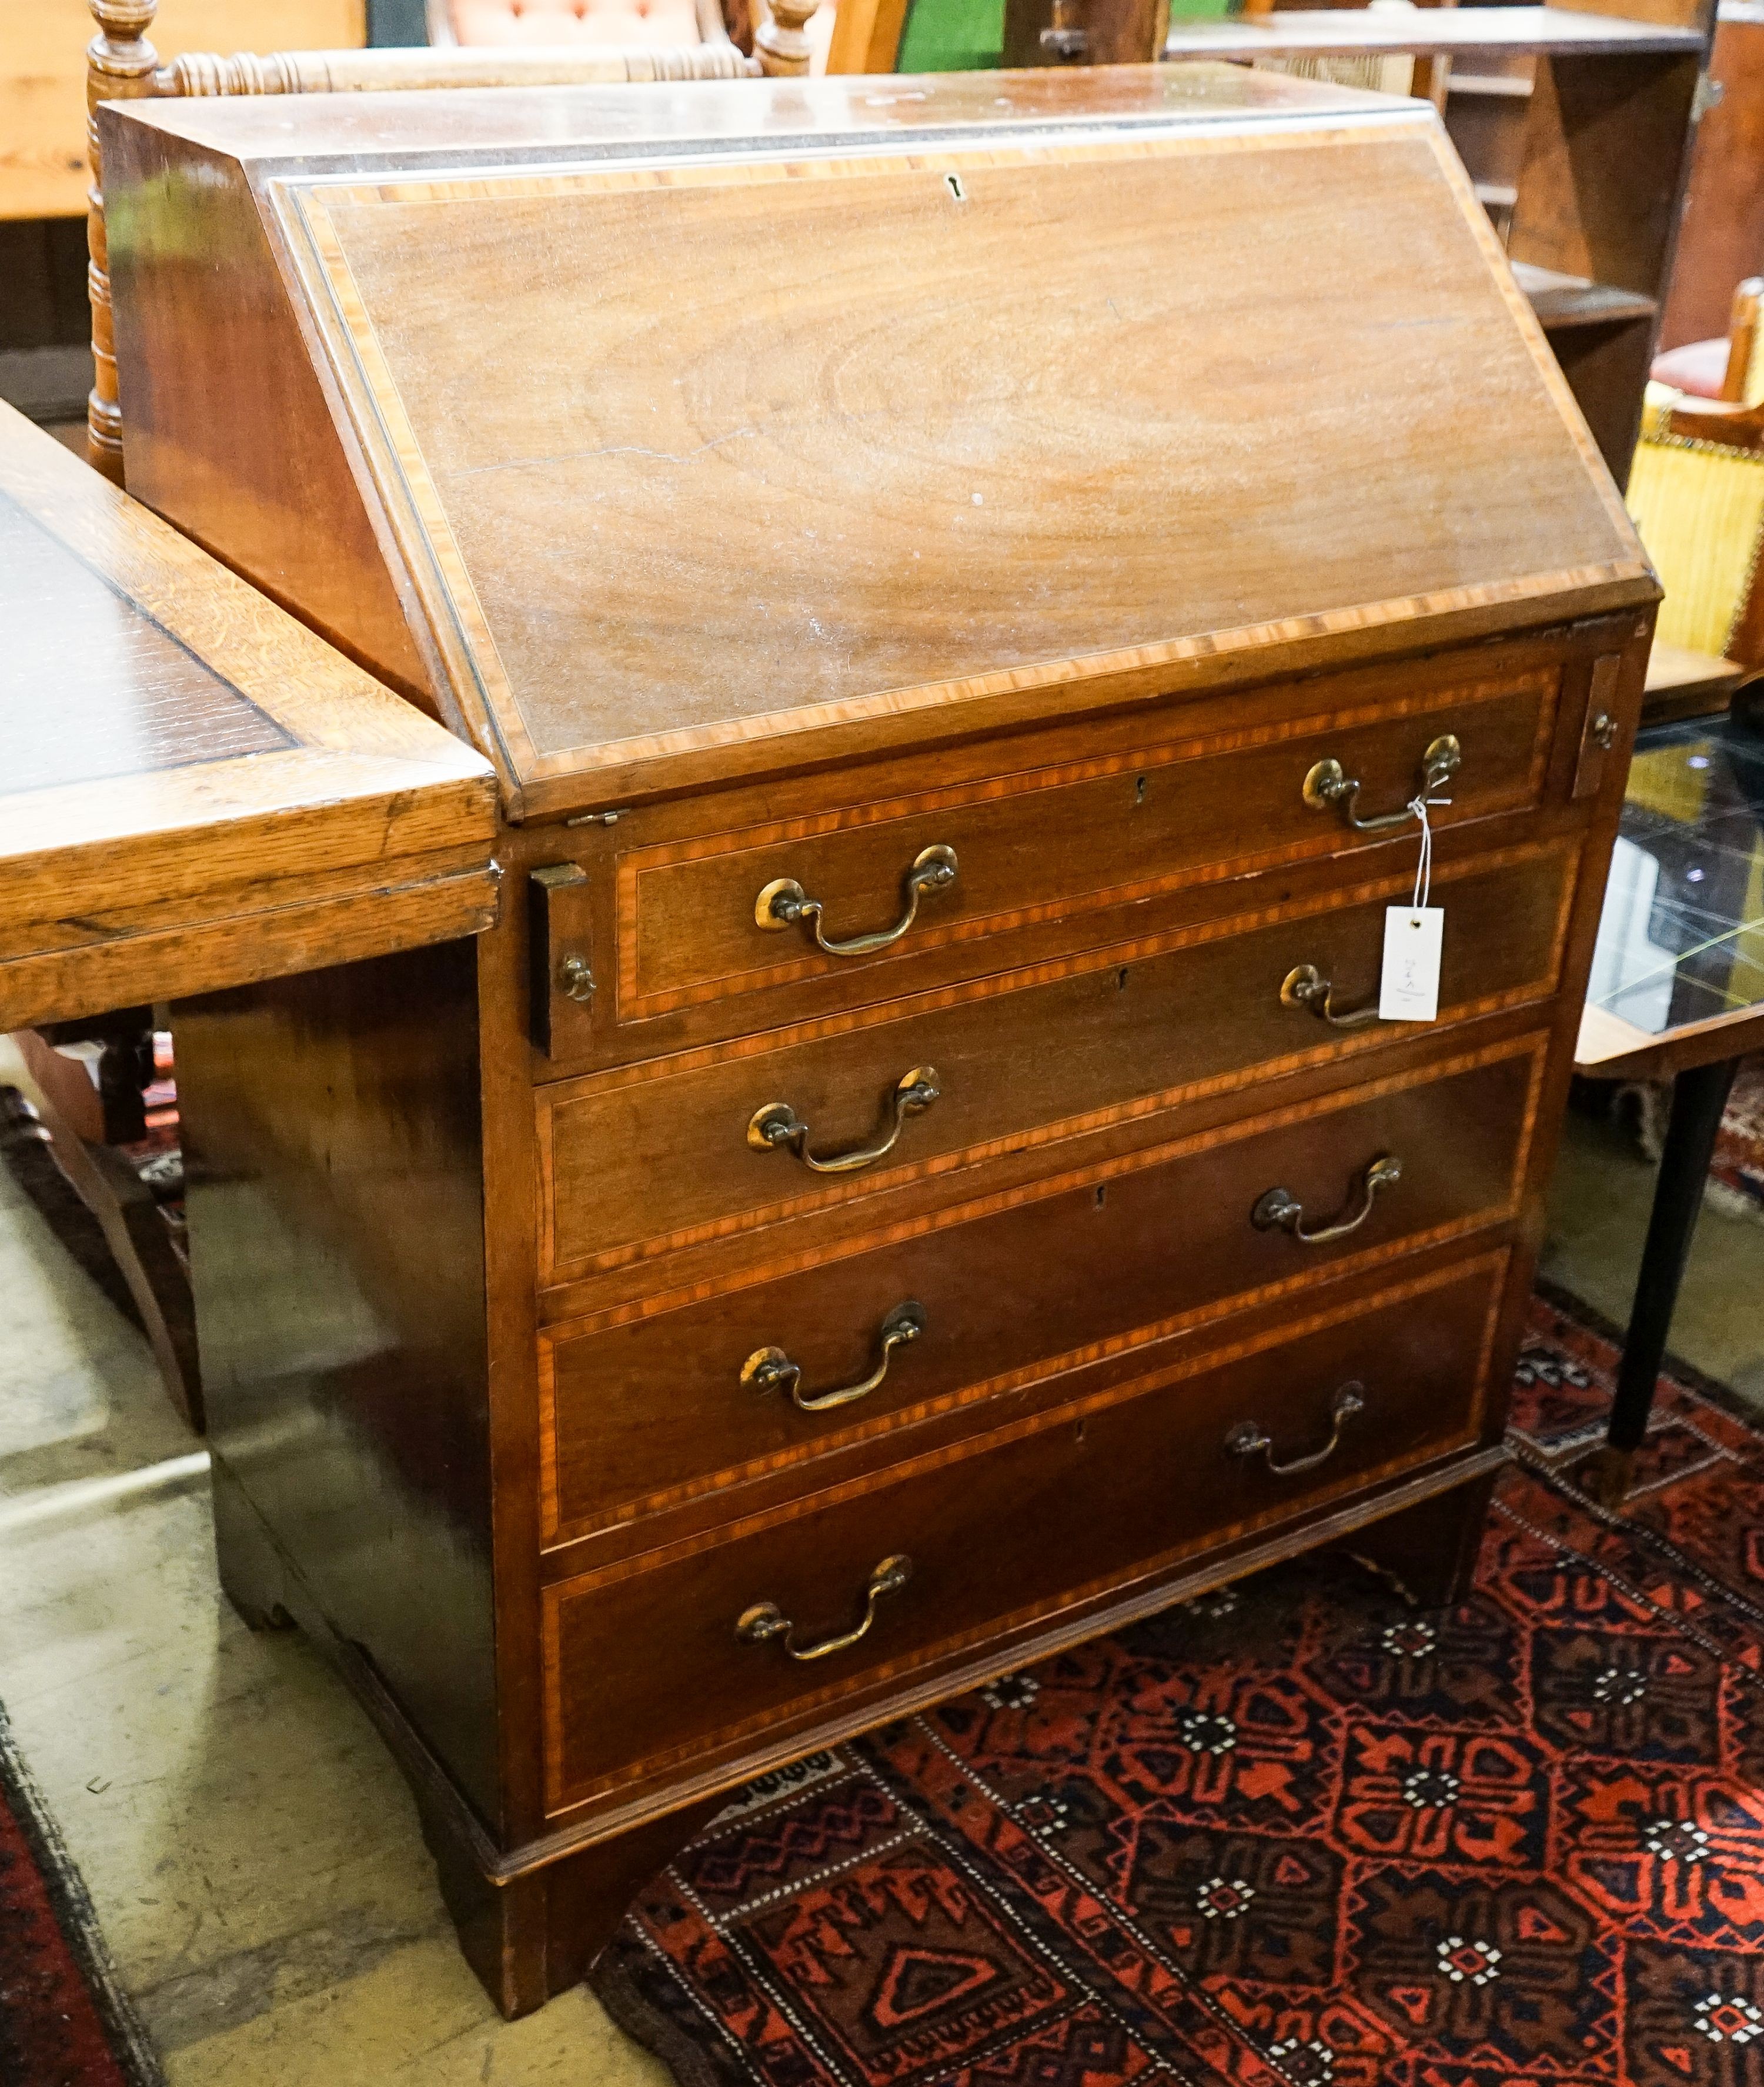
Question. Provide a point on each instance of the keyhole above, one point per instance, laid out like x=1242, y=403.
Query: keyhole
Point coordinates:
x=952, y=182
x=1121, y=979
x=1102, y=1195
x=1139, y=790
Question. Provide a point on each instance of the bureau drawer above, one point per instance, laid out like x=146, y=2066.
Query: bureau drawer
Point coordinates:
x=1017, y=1061
x=1016, y=1526
x=652, y=1411
x=727, y=914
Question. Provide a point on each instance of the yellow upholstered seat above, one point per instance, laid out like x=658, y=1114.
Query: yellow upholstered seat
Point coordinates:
x=1699, y=506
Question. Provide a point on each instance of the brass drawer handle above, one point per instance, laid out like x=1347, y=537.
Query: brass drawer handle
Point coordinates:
x=777, y=1126
x=783, y=903
x=1249, y=1440
x=1327, y=784
x=1305, y=986
x=766, y=1368
x=766, y=1619
x=1281, y=1210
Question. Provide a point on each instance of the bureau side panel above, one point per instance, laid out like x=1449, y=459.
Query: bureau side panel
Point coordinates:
x=1601, y=701
x=332, y=1138
x=226, y=430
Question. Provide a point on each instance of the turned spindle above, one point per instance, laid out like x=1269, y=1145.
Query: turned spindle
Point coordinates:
x=779, y=43
x=120, y=66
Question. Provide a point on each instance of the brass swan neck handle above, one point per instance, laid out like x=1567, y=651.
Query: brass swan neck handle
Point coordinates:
x=1247, y=1439
x=776, y=1126
x=1328, y=784
x=766, y=1621
x=783, y=904
x=768, y=1368
x=1281, y=1210
x=1305, y=986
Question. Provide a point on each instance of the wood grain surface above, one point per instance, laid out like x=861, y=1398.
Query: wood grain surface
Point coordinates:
x=1020, y=1294
x=42, y=171
x=194, y=790
x=951, y=454
x=1066, y=840
x=1031, y=1061
x=777, y=481
x=886, y=494
x=1086, y=1494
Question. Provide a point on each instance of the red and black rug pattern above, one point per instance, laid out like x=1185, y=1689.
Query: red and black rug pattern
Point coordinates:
x=1294, y=1833
x=64, y=2020
x=1736, y=1172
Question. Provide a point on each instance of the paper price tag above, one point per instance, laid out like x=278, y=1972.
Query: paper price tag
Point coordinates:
x=1410, y=988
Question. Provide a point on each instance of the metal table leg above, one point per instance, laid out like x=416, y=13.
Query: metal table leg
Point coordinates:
x=1699, y=1095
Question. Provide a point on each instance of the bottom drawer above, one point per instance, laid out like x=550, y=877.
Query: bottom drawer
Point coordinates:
x=649, y=1663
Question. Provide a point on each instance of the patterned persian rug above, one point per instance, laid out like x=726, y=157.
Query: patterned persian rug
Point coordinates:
x=1737, y=1175
x=1736, y=1184
x=1292, y=1833
x=64, y=2021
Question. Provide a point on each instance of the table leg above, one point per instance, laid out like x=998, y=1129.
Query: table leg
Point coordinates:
x=1699, y=1095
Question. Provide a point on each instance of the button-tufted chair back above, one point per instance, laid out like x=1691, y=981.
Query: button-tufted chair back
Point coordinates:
x=556, y=23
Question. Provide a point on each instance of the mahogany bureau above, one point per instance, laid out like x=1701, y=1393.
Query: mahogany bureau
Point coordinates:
x=963, y=582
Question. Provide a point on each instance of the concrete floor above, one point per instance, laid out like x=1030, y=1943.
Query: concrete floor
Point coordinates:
x=253, y=1857
x=1598, y=1218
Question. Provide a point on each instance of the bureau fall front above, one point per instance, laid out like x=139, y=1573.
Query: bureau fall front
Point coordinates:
x=967, y=586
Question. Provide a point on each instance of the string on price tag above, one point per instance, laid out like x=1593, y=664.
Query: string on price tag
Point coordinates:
x=1414, y=935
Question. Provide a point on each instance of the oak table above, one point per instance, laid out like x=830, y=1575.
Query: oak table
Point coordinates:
x=194, y=792
x=1676, y=993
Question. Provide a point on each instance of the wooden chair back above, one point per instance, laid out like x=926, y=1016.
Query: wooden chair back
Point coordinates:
x=1744, y=384
x=122, y=66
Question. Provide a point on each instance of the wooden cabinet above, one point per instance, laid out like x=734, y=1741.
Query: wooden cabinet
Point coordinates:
x=917, y=1174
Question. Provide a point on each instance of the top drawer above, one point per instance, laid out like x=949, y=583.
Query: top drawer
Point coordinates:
x=718, y=916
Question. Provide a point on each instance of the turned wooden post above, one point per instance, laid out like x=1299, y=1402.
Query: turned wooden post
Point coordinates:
x=779, y=44
x=120, y=65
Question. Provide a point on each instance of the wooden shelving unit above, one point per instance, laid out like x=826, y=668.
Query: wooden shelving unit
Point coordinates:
x=1576, y=128
x=1355, y=31
x=1560, y=301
